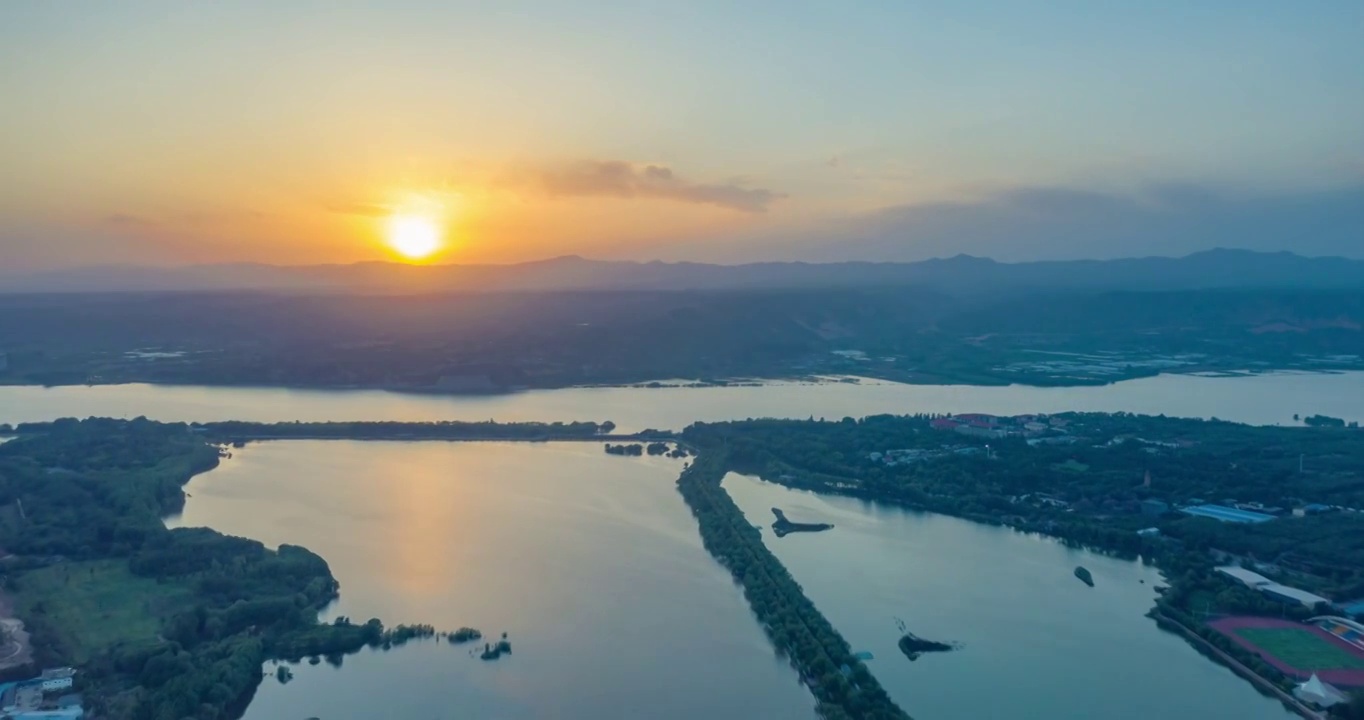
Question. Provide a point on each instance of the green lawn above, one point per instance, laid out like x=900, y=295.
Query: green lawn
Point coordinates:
x=1071, y=466
x=94, y=605
x=1302, y=649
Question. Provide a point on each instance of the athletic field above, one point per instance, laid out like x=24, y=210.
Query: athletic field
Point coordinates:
x=1297, y=649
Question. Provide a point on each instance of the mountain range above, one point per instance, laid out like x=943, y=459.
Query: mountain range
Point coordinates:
x=959, y=275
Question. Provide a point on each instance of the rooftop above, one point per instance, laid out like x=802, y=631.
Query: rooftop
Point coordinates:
x=1252, y=579
x=1226, y=514
x=1306, y=598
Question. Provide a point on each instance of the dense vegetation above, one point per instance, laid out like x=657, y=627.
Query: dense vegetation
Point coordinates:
x=1093, y=484
x=1088, y=485
x=501, y=342
x=164, y=624
x=842, y=685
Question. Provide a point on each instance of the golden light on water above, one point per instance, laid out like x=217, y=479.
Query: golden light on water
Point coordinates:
x=415, y=237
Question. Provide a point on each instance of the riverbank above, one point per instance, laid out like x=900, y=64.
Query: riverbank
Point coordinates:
x=159, y=622
x=868, y=374
x=1260, y=399
x=1236, y=666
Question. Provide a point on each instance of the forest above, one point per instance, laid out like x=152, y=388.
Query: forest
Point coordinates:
x=1090, y=488
x=841, y=684
x=494, y=342
x=162, y=624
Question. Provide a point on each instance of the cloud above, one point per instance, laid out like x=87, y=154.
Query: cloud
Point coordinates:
x=1040, y=223
x=616, y=178
x=128, y=220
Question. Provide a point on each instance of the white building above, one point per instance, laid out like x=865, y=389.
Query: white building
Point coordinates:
x=1318, y=693
x=56, y=679
x=1282, y=593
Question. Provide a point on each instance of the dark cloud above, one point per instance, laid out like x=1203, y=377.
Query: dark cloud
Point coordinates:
x=1038, y=223
x=615, y=178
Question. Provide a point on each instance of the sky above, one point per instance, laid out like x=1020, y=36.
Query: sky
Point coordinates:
x=297, y=132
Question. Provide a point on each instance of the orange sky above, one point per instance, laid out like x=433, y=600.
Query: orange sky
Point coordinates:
x=159, y=132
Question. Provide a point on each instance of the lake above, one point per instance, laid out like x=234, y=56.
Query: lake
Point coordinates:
x=592, y=563
x=1259, y=399
x=1037, y=643
x=594, y=566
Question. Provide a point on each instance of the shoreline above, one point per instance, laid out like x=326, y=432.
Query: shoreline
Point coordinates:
x=682, y=384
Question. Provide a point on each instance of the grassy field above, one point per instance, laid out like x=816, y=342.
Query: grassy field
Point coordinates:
x=1301, y=649
x=94, y=605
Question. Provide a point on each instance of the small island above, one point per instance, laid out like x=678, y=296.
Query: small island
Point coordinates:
x=1084, y=575
x=913, y=646
x=464, y=635
x=782, y=526
x=493, y=651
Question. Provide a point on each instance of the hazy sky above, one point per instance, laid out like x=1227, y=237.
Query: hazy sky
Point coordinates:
x=290, y=132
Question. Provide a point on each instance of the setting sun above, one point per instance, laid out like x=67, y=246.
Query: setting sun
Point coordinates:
x=414, y=236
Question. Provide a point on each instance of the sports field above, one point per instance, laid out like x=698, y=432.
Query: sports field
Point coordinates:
x=1300, y=648
x=1296, y=649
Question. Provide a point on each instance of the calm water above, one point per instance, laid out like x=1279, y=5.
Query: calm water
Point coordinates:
x=1262, y=399
x=1037, y=642
x=592, y=564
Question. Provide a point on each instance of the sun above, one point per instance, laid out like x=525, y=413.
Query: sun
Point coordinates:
x=415, y=237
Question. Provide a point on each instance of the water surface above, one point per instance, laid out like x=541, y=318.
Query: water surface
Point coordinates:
x=592, y=564
x=1038, y=643
x=1259, y=399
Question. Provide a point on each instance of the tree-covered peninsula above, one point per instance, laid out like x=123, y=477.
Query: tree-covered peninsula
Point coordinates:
x=162, y=624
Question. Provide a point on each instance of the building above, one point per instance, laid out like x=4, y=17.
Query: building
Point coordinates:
x=1293, y=596
x=1355, y=608
x=1149, y=532
x=1226, y=514
x=56, y=679
x=1154, y=508
x=1318, y=693
x=1272, y=590
x=944, y=424
x=980, y=428
x=1252, y=580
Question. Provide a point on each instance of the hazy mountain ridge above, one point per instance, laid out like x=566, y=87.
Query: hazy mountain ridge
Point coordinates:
x=960, y=275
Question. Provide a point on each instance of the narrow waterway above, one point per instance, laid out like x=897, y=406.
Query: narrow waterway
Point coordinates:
x=1036, y=642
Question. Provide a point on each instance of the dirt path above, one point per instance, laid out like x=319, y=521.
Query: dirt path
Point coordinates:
x=15, y=649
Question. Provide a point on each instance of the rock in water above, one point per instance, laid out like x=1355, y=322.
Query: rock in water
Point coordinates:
x=1085, y=577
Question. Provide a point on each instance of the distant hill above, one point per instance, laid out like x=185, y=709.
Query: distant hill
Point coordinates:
x=960, y=275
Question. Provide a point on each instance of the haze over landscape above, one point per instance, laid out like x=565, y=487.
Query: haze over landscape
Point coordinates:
x=727, y=360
